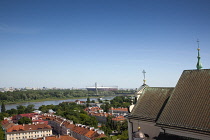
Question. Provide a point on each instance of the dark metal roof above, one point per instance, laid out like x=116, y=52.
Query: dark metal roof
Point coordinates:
x=188, y=108
x=151, y=103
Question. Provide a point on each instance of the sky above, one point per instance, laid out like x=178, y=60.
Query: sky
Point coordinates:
x=75, y=43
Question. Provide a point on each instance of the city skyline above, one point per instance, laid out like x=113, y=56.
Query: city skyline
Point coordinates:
x=69, y=44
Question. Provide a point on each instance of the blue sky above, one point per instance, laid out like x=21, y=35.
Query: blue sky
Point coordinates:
x=75, y=43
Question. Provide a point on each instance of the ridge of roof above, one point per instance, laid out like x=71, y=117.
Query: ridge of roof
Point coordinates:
x=187, y=107
x=153, y=100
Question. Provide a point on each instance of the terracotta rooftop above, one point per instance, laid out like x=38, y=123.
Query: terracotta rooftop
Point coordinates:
x=6, y=124
x=119, y=109
x=80, y=130
x=92, y=109
x=77, y=129
x=28, y=114
x=90, y=133
x=16, y=128
x=151, y=103
x=28, y=127
x=188, y=107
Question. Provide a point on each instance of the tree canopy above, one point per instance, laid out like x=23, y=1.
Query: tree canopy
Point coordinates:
x=19, y=96
x=24, y=120
x=3, y=109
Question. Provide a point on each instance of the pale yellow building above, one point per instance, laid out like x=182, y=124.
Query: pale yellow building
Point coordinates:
x=28, y=131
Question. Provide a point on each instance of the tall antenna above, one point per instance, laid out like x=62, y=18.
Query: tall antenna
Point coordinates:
x=199, y=65
x=96, y=88
x=144, y=77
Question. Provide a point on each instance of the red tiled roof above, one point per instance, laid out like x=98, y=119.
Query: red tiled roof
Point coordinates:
x=90, y=133
x=28, y=127
x=92, y=109
x=119, y=109
x=40, y=121
x=77, y=129
x=4, y=122
x=28, y=115
x=16, y=128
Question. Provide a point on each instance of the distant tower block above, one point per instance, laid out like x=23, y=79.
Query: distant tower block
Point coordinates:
x=199, y=65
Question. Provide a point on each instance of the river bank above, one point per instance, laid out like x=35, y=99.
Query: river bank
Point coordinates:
x=54, y=102
x=50, y=99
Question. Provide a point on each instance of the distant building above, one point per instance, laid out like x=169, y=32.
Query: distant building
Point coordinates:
x=118, y=119
x=32, y=116
x=102, y=88
x=35, y=117
x=94, y=109
x=118, y=111
x=25, y=131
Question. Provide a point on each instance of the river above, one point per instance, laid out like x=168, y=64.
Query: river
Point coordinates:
x=54, y=102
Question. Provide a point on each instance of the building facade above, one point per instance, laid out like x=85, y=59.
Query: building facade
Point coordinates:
x=22, y=132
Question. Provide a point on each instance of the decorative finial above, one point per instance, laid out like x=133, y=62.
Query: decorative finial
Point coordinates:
x=139, y=128
x=144, y=76
x=199, y=65
x=132, y=100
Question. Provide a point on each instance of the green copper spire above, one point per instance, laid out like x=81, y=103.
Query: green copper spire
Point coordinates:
x=199, y=65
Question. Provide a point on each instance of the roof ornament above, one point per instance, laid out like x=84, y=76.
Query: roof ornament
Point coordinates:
x=144, y=77
x=139, y=134
x=199, y=65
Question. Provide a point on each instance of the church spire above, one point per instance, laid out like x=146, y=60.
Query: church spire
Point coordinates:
x=144, y=77
x=199, y=65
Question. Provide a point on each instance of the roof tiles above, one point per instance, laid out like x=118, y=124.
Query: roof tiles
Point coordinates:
x=151, y=103
x=189, y=105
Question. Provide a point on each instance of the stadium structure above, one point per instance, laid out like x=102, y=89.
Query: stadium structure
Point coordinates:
x=102, y=88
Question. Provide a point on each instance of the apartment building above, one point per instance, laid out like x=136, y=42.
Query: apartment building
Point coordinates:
x=27, y=131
